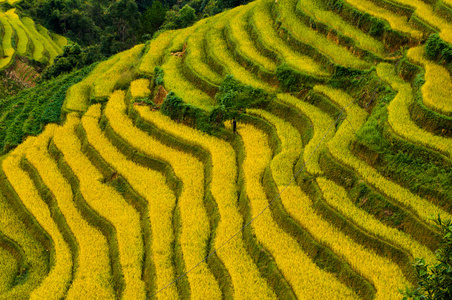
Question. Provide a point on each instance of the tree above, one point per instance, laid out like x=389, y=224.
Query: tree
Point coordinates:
x=435, y=282
x=153, y=18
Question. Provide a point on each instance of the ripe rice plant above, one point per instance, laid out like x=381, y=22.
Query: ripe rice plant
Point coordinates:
x=60, y=40
x=119, y=72
x=364, y=261
x=46, y=35
x=305, y=34
x=109, y=204
x=176, y=82
x=294, y=264
x=155, y=53
x=237, y=29
x=262, y=22
x=322, y=131
x=399, y=115
x=336, y=196
x=56, y=283
x=397, y=22
x=140, y=88
x=195, y=57
x=22, y=38
x=92, y=277
x=219, y=49
x=338, y=146
x=437, y=90
x=151, y=185
x=194, y=221
x=313, y=8
x=244, y=274
x=38, y=47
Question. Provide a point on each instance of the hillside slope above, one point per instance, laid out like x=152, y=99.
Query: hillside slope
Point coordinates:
x=325, y=192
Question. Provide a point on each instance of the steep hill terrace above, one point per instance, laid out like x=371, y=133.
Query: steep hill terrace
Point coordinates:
x=325, y=192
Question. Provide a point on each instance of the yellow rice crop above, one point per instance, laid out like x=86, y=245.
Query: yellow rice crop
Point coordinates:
x=93, y=278
x=152, y=57
x=245, y=276
x=339, y=148
x=109, y=204
x=399, y=115
x=262, y=21
x=195, y=55
x=61, y=41
x=22, y=42
x=427, y=14
x=314, y=10
x=305, y=34
x=151, y=185
x=194, y=220
x=38, y=47
x=437, y=90
x=140, y=88
x=219, y=49
x=336, y=196
x=45, y=33
x=384, y=274
x=306, y=279
x=245, y=45
x=323, y=131
x=125, y=61
x=397, y=22
x=176, y=82
x=56, y=283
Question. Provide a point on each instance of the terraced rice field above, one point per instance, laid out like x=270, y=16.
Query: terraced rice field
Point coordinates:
x=327, y=192
x=23, y=37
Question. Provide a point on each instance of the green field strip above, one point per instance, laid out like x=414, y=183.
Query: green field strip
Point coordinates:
x=56, y=283
x=194, y=234
x=437, y=90
x=109, y=204
x=257, y=157
x=303, y=33
x=22, y=39
x=92, y=276
x=338, y=146
x=245, y=276
x=104, y=83
x=52, y=47
x=25, y=33
x=160, y=200
x=60, y=40
x=262, y=23
x=48, y=46
x=337, y=197
x=195, y=57
x=219, y=49
x=175, y=80
x=399, y=116
x=8, y=270
x=315, y=10
x=7, y=48
x=363, y=260
x=155, y=52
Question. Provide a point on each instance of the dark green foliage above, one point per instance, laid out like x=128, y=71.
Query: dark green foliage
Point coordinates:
x=435, y=281
x=185, y=17
x=234, y=95
x=153, y=18
x=30, y=110
x=437, y=49
x=158, y=76
x=73, y=58
x=289, y=79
